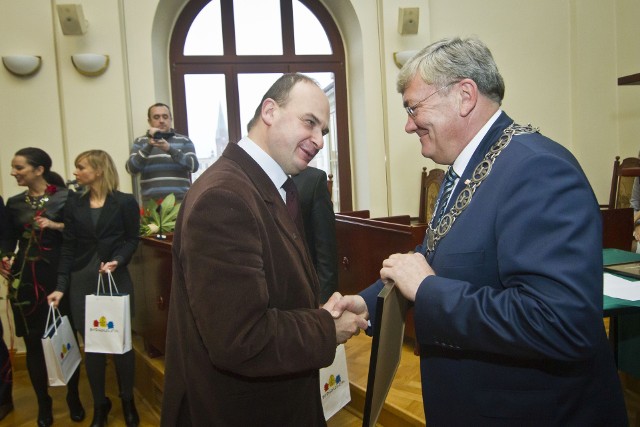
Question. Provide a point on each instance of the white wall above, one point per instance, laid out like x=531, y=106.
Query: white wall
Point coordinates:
x=627, y=41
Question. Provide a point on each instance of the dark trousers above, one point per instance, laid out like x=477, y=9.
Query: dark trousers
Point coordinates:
x=96, y=364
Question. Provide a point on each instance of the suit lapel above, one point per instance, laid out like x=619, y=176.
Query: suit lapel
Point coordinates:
x=274, y=202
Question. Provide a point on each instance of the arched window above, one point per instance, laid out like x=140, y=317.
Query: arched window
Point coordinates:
x=225, y=54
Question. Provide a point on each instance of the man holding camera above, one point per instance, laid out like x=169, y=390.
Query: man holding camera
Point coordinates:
x=164, y=159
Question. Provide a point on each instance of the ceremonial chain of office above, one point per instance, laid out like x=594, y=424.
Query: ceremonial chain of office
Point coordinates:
x=480, y=173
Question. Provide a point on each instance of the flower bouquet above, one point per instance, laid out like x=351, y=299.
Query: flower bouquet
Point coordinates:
x=34, y=252
x=158, y=217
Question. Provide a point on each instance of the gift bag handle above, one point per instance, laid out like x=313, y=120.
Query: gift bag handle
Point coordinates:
x=110, y=280
x=52, y=315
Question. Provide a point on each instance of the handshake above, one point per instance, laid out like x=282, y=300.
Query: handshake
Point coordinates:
x=349, y=313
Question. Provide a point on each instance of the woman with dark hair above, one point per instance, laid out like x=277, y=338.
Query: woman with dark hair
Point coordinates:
x=101, y=233
x=35, y=223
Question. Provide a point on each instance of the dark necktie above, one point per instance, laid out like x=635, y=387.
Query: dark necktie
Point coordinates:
x=449, y=179
x=293, y=204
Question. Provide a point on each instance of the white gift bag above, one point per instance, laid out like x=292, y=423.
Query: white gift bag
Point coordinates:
x=107, y=322
x=61, y=352
x=334, y=384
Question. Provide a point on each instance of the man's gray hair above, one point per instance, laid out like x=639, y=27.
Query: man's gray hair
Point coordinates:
x=451, y=60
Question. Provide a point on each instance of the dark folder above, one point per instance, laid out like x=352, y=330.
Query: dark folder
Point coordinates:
x=386, y=349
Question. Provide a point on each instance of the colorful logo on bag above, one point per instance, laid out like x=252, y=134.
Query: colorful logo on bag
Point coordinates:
x=332, y=384
x=65, y=349
x=103, y=325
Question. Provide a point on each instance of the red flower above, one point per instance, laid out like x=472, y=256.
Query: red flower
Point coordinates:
x=159, y=201
x=51, y=189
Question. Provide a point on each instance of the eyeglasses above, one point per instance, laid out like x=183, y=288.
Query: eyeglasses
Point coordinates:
x=411, y=111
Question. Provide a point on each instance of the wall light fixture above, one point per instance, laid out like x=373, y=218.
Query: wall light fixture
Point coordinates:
x=22, y=65
x=90, y=64
x=401, y=57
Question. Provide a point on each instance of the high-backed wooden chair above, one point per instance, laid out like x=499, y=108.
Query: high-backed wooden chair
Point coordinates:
x=429, y=189
x=330, y=184
x=624, y=173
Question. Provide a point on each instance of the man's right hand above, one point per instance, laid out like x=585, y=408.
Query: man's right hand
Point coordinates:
x=350, y=315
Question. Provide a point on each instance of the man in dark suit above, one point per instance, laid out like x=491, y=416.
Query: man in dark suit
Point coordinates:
x=319, y=227
x=245, y=336
x=507, y=286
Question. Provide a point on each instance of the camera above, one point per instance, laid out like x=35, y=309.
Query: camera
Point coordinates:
x=162, y=135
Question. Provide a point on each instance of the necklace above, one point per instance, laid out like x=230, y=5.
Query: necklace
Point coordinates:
x=480, y=173
x=36, y=202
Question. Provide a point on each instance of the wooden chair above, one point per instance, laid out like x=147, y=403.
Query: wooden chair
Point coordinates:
x=622, y=181
x=330, y=184
x=429, y=189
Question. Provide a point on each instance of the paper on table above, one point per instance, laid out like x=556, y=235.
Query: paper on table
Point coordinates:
x=617, y=287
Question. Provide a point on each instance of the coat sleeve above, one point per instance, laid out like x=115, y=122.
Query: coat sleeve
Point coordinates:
x=131, y=220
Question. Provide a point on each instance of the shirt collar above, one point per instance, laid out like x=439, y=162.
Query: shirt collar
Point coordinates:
x=460, y=164
x=268, y=165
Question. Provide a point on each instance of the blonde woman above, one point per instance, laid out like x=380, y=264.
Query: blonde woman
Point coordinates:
x=100, y=234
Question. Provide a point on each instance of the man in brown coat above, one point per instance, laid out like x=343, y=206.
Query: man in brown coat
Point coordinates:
x=245, y=335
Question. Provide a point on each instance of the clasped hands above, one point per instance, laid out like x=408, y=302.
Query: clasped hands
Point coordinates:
x=350, y=312
x=160, y=143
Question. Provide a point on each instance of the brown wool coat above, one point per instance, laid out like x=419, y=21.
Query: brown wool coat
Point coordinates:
x=245, y=339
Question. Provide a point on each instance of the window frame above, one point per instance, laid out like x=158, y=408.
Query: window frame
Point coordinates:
x=231, y=65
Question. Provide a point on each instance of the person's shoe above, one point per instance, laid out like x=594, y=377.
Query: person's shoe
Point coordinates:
x=100, y=414
x=5, y=408
x=45, y=414
x=131, y=417
x=76, y=411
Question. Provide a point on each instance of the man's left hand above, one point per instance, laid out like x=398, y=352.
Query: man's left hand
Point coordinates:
x=407, y=271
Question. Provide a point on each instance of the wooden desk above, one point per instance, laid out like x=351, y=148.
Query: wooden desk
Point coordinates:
x=624, y=325
x=363, y=243
x=617, y=228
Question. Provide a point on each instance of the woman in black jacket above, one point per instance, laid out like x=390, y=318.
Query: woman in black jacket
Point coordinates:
x=101, y=234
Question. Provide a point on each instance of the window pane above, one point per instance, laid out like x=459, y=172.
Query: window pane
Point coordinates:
x=206, y=100
x=258, y=28
x=251, y=89
x=327, y=158
x=309, y=36
x=205, y=34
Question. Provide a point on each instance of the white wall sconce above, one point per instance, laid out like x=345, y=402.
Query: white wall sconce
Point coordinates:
x=401, y=57
x=22, y=65
x=90, y=64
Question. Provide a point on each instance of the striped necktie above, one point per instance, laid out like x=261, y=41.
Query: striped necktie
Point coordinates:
x=449, y=179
